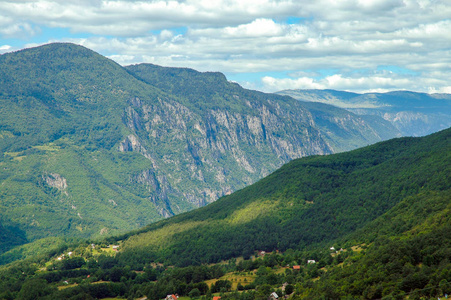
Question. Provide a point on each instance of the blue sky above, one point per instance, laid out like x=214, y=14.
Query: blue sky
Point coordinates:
x=268, y=45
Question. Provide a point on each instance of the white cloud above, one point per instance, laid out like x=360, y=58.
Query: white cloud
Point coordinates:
x=5, y=48
x=348, y=36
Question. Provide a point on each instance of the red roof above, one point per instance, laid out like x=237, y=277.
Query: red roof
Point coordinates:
x=296, y=267
x=216, y=298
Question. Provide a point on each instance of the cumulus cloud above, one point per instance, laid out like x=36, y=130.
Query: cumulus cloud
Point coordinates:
x=236, y=36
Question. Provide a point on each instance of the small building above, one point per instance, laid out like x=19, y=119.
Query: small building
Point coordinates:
x=311, y=261
x=274, y=296
x=296, y=267
x=332, y=248
x=171, y=297
x=216, y=297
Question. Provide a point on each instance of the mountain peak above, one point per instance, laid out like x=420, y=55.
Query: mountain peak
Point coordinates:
x=51, y=51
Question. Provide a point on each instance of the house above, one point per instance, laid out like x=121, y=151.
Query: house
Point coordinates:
x=296, y=267
x=311, y=261
x=273, y=296
x=332, y=248
x=171, y=297
x=216, y=297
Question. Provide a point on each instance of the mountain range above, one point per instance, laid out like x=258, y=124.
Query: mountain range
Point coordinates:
x=91, y=148
x=413, y=114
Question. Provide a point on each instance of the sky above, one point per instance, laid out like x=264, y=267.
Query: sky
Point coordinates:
x=268, y=45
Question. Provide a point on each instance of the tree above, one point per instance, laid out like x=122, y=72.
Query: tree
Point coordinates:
x=289, y=289
x=34, y=289
x=194, y=293
x=73, y=263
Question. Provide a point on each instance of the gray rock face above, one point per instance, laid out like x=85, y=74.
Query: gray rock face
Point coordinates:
x=56, y=181
x=199, y=156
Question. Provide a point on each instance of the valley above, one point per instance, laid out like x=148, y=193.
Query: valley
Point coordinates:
x=92, y=149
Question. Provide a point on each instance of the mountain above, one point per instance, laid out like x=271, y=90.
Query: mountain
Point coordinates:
x=414, y=114
x=92, y=148
x=372, y=223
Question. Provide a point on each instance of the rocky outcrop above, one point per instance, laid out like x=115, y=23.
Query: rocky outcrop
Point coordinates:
x=55, y=180
x=158, y=188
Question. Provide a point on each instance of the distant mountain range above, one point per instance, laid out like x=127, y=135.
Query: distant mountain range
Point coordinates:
x=91, y=148
x=413, y=114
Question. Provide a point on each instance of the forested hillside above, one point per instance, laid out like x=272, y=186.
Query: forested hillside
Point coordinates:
x=90, y=148
x=373, y=223
x=309, y=201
